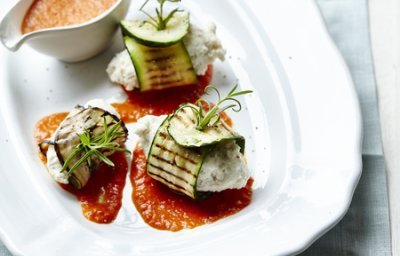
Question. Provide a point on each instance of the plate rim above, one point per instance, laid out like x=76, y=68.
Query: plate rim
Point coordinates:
x=358, y=146
x=357, y=171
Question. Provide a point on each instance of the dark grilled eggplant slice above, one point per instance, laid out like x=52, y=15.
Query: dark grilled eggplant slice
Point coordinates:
x=67, y=138
x=44, y=146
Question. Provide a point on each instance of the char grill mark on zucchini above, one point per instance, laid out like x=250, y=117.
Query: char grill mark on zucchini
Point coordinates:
x=161, y=59
x=169, y=172
x=161, y=68
x=169, y=184
x=187, y=123
x=169, y=162
x=175, y=166
x=182, y=129
x=172, y=152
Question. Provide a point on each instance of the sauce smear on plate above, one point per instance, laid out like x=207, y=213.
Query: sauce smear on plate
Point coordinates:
x=164, y=209
x=58, y=13
x=102, y=196
x=162, y=102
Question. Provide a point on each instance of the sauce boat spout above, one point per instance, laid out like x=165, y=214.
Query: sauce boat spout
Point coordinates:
x=10, y=27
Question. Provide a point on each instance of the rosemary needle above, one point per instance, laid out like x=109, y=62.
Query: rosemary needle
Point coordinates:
x=160, y=23
x=204, y=118
x=91, y=147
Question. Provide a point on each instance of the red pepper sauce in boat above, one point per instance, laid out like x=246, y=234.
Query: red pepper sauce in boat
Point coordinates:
x=101, y=198
x=58, y=13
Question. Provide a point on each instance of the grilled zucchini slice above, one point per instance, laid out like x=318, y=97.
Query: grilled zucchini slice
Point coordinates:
x=182, y=128
x=173, y=165
x=146, y=34
x=161, y=68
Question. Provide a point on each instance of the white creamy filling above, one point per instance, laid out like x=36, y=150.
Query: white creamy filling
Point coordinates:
x=53, y=164
x=145, y=128
x=121, y=71
x=202, y=45
x=100, y=103
x=224, y=167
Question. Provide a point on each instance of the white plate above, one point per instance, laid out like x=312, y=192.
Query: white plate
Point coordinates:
x=302, y=125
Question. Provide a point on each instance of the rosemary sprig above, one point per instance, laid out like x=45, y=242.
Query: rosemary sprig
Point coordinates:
x=160, y=22
x=212, y=116
x=90, y=148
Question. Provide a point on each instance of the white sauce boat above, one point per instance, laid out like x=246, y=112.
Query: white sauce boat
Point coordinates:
x=70, y=43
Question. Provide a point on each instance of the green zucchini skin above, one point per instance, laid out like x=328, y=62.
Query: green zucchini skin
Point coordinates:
x=178, y=166
x=182, y=128
x=173, y=165
x=146, y=34
x=161, y=68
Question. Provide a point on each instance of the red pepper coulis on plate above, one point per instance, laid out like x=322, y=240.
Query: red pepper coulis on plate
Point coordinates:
x=164, y=209
x=162, y=102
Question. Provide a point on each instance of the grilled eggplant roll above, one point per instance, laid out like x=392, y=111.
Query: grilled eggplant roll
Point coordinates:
x=93, y=119
x=195, y=162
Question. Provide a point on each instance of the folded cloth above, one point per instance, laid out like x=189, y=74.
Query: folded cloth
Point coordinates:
x=3, y=250
x=365, y=229
x=385, y=31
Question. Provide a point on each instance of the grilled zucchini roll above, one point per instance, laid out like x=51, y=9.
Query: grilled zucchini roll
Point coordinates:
x=175, y=166
x=159, y=56
x=193, y=150
x=164, y=50
x=160, y=68
x=195, y=171
x=156, y=48
x=68, y=161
